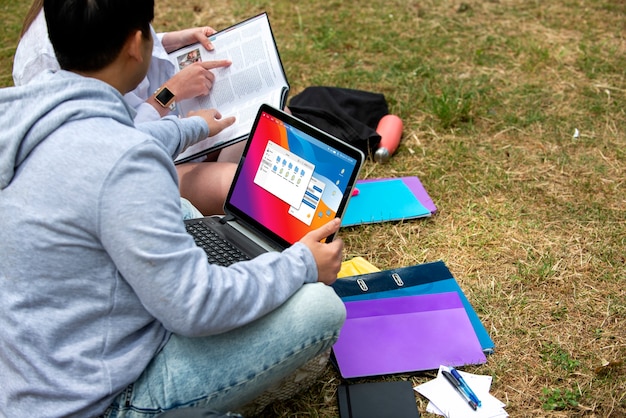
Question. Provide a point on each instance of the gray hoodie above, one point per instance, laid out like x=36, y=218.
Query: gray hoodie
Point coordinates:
x=96, y=269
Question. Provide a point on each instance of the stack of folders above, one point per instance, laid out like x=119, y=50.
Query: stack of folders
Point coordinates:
x=407, y=320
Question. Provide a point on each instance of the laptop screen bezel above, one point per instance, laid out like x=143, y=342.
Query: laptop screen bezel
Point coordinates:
x=232, y=211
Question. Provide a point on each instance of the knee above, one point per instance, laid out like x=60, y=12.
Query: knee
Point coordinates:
x=229, y=170
x=321, y=306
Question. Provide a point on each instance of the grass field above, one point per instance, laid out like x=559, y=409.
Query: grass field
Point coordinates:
x=515, y=121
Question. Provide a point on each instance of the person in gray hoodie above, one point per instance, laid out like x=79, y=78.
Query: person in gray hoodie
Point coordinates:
x=108, y=308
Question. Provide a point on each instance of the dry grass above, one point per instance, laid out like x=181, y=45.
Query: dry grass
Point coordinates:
x=532, y=220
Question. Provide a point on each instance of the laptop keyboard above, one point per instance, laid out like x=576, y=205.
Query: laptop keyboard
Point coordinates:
x=218, y=250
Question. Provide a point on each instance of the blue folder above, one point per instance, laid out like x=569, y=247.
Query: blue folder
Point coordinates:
x=420, y=279
x=386, y=200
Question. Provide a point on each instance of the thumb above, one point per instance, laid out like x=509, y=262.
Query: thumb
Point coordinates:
x=228, y=121
x=325, y=230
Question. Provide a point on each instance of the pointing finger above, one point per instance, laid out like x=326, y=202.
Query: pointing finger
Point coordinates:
x=215, y=64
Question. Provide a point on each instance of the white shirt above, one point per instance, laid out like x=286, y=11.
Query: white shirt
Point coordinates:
x=35, y=54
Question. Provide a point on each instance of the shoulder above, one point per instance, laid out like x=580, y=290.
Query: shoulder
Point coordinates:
x=34, y=53
x=37, y=34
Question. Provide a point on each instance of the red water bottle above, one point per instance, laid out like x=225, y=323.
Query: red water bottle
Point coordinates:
x=390, y=130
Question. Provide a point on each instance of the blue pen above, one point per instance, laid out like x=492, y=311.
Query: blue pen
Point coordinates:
x=457, y=386
x=465, y=386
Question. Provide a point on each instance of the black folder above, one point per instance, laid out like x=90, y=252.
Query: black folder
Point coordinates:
x=377, y=399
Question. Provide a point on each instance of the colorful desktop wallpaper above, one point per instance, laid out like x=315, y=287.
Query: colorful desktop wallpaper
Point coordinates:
x=332, y=173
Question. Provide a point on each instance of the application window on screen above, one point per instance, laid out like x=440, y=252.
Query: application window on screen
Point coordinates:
x=284, y=174
x=311, y=200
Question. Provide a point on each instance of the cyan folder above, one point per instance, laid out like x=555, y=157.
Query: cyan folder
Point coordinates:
x=405, y=334
x=419, y=279
x=388, y=199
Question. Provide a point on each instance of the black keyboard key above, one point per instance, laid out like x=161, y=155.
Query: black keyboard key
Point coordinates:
x=218, y=250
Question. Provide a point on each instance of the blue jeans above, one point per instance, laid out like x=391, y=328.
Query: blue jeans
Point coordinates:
x=225, y=372
x=189, y=210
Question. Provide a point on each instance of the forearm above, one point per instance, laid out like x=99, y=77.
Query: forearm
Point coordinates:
x=176, y=134
x=169, y=273
x=175, y=40
x=178, y=39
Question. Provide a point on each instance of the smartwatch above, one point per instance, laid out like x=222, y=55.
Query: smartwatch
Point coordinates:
x=165, y=98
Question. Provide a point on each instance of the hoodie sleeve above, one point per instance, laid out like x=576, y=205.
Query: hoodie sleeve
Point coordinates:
x=168, y=272
x=176, y=134
x=145, y=112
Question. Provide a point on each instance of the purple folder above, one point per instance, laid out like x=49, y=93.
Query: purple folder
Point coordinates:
x=406, y=334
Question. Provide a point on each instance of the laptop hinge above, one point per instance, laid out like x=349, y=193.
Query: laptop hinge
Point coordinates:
x=226, y=218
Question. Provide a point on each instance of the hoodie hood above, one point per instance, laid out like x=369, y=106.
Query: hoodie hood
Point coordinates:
x=28, y=114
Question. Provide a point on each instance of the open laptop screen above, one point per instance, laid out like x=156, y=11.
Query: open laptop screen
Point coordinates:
x=293, y=178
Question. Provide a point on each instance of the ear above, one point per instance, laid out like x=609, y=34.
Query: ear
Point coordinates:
x=134, y=46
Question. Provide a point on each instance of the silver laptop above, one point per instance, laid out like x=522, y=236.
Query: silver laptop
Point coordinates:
x=292, y=178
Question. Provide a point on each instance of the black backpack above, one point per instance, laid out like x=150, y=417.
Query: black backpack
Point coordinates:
x=350, y=115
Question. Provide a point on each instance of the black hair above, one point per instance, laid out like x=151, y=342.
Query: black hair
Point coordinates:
x=88, y=35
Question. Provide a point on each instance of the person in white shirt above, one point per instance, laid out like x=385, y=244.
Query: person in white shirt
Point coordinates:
x=203, y=183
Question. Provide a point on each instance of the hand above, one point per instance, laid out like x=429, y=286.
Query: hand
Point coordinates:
x=195, y=79
x=214, y=119
x=181, y=38
x=328, y=257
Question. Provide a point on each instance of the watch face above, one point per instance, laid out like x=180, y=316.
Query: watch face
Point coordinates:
x=164, y=96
